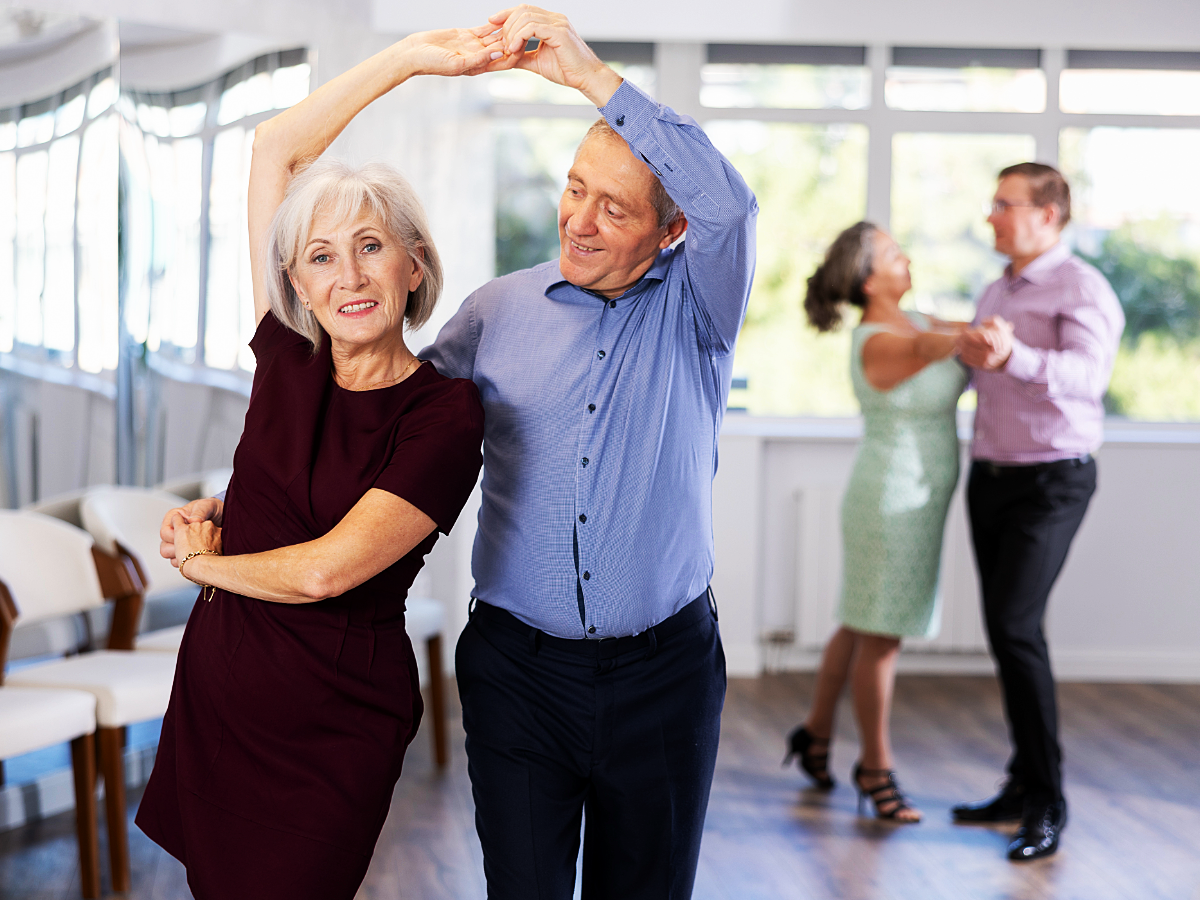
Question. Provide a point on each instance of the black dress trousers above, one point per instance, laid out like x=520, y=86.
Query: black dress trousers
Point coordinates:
x=623, y=732
x=1023, y=519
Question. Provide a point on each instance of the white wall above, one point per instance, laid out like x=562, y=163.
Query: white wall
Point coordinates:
x=1127, y=606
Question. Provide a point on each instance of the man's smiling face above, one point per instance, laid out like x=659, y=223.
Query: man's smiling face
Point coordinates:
x=608, y=229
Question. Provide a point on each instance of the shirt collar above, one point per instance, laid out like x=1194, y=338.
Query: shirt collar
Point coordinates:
x=1043, y=266
x=561, y=289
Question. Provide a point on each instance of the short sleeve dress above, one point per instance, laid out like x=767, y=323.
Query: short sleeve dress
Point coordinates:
x=894, y=509
x=288, y=724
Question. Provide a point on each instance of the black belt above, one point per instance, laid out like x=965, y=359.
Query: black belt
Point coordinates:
x=1000, y=470
x=604, y=648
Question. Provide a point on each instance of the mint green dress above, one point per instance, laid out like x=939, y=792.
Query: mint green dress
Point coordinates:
x=894, y=510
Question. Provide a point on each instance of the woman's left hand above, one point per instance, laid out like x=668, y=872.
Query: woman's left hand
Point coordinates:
x=455, y=51
x=194, y=537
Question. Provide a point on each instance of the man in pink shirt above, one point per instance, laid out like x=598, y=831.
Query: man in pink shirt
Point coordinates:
x=1042, y=357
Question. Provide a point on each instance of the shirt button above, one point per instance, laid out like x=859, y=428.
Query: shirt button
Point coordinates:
x=600, y=353
x=612, y=304
x=582, y=517
x=592, y=630
x=620, y=121
x=585, y=462
x=591, y=407
x=587, y=576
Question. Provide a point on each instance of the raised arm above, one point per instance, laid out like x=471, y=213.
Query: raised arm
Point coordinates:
x=888, y=359
x=292, y=140
x=720, y=208
x=378, y=531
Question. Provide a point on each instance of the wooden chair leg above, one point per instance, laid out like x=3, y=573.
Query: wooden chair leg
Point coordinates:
x=112, y=767
x=83, y=765
x=437, y=701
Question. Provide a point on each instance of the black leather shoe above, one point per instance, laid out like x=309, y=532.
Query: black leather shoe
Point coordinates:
x=1007, y=806
x=1040, y=827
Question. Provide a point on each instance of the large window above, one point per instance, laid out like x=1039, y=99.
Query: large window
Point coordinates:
x=58, y=252
x=911, y=138
x=187, y=155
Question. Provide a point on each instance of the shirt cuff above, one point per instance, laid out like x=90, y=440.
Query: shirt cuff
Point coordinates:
x=629, y=110
x=1023, y=363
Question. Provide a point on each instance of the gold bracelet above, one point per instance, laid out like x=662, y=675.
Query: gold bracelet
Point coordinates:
x=209, y=590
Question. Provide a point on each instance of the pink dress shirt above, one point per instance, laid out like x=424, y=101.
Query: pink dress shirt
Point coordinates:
x=1047, y=401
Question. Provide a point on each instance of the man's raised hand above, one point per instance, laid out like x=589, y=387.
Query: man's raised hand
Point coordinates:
x=561, y=55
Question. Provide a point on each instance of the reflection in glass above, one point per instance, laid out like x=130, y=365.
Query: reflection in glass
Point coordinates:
x=97, y=241
x=939, y=185
x=1131, y=91
x=8, y=295
x=811, y=182
x=102, y=97
x=968, y=89
x=58, y=206
x=70, y=115
x=532, y=157
x=188, y=292
x=175, y=293
x=59, y=296
x=1140, y=225
x=743, y=85
x=230, y=289
x=31, y=244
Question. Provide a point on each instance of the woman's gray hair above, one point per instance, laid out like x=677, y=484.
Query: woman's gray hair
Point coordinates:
x=344, y=192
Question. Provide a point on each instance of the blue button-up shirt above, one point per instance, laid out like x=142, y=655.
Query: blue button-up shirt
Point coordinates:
x=601, y=417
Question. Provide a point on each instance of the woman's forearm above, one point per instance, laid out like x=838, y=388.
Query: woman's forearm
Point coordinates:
x=931, y=346
x=379, y=530
x=300, y=573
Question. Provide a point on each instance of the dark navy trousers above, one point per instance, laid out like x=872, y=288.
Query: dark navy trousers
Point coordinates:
x=1023, y=519
x=624, y=730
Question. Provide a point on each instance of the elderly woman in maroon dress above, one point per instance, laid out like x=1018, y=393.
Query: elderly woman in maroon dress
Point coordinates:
x=296, y=690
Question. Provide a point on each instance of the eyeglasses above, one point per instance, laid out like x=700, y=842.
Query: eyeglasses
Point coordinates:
x=1000, y=207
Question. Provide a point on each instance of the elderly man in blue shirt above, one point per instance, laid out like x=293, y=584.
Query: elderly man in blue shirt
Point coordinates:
x=591, y=671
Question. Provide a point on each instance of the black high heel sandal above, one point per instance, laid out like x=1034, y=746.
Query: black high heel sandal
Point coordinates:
x=882, y=795
x=800, y=744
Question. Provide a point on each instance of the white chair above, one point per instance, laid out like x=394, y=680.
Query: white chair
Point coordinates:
x=126, y=520
x=424, y=620
x=36, y=718
x=198, y=484
x=54, y=569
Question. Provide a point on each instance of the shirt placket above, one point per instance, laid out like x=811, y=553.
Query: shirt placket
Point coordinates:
x=595, y=414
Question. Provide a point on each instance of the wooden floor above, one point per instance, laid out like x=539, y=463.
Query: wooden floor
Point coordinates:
x=1133, y=757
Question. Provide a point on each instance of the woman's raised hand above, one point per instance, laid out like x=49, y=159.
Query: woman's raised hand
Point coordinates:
x=561, y=55
x=455, y=51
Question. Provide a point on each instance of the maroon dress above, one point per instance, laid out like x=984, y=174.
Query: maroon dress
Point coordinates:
x=288, y=724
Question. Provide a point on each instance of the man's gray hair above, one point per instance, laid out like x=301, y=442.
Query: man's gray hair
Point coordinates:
x=667, y=209
x=330, y=186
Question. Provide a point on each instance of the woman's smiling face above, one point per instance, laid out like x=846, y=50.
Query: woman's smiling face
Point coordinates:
x=356, y=278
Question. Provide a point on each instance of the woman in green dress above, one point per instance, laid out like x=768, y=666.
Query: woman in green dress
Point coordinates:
x=894, y=510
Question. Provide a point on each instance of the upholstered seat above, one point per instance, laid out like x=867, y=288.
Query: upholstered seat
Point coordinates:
x=128, y=687
x=33, y=718
x=52, y=569
x=165, y=640
x=36, y=718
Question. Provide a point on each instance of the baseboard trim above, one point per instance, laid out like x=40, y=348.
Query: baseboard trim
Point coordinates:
x=1144, y=666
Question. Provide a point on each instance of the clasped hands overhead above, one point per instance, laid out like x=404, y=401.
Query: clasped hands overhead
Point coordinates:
x=561, y=55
